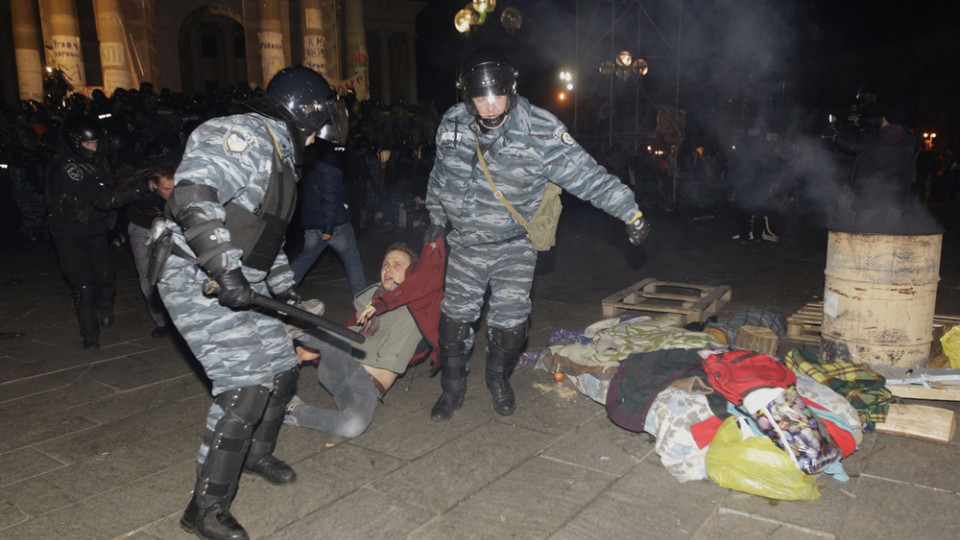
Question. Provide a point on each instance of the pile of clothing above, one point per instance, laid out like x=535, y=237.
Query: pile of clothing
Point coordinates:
x=655, y=376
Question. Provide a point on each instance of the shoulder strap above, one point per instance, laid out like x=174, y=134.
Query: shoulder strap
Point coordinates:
x=496, y=192
x=276, y=144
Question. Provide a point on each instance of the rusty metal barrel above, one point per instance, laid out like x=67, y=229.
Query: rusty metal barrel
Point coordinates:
x=879, y=298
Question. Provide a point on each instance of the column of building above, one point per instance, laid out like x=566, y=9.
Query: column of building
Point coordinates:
x=27, y=44
x=271, y=40
x=115, y=58
x=59, y=18
x=358, y=61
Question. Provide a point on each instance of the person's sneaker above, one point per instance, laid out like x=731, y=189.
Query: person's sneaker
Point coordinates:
x=770, y=237
x=288, y=417
x=159, y=332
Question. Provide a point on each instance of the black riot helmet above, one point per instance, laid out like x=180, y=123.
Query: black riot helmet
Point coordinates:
x=79, y=129
x=486, y=73
x=302, y=97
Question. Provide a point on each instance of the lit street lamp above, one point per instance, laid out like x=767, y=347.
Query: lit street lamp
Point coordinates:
x=624, y=66
x=475, y=14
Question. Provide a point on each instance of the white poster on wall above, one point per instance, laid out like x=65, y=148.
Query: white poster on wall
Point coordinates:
x=68, y=58
x=271, y=54
x=313, y=18
x=315, y=58
x=116, y=72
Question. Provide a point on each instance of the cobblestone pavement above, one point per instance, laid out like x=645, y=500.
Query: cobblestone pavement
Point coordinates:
x=102, y=444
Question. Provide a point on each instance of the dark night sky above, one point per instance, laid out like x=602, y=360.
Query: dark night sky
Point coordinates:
x=719, y=37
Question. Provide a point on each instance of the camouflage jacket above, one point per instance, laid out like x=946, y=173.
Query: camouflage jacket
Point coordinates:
x=531, y=148
x=234, y=156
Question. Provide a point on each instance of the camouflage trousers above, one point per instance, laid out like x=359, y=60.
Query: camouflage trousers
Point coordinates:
x=236, y=348
x=505, y=267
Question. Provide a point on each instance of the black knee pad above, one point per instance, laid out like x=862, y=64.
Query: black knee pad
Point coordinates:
x=508, y=340
x=453, y=336
x=243, y=408
x=285, y=385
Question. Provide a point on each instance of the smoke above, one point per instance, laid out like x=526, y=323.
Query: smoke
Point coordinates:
x=748, y=79
x=751, y=83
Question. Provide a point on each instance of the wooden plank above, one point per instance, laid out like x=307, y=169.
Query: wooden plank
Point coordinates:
x=917, y=391
x=919, y=422
x=804, y=325
x=665, y=297
x=642, y=306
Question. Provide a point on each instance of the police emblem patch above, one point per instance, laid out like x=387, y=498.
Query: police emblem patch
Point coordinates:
x=564, y=136
x=238, y=141
x=74, y=172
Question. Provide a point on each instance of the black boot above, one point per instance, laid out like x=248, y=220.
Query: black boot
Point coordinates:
x=454, y=391
x=85, y=301
x=260, y=459
x=214, y=522
x=502, y=355
x=454, y=366
x=208, y=514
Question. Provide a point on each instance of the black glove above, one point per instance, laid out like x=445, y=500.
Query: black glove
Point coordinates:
x=288, y=296
x=127, y=193
x=235, y=291
x=433, y=232
x=638, y=230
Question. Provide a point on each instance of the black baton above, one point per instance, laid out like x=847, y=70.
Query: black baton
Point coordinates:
x=211, y=288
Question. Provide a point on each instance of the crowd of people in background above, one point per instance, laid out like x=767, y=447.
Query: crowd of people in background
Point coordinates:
x=388, y=159
x=386, y=162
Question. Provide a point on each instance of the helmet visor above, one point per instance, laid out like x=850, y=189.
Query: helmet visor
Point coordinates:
x=491, y=79
x=335, y=127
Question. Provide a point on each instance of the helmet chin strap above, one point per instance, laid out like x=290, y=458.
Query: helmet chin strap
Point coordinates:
x=491, y=123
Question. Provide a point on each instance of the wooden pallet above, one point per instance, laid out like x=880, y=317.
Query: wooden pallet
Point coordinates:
x=804, y=325
x=685, y=302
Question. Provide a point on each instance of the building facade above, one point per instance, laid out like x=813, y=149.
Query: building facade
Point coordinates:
x=200, y=46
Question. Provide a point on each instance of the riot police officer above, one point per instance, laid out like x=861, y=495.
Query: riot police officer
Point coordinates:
x=234, y=195
x=81, y=201
x=523, y=146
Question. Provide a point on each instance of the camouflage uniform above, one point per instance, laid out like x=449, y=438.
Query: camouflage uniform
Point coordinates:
x=239, y=349
x=531, y=148
x=488, y=247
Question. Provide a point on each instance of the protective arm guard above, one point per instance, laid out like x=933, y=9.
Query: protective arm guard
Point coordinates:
x=208, y=238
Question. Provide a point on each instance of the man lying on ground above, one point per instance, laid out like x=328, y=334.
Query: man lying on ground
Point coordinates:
x=399, y=317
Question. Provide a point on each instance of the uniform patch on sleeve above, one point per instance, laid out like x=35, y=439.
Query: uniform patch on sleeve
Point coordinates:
x=238, y=141
x=564, y=136
x=449, y=136
x=74, y=172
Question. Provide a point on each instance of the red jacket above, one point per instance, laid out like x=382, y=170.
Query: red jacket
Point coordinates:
x=422, y=292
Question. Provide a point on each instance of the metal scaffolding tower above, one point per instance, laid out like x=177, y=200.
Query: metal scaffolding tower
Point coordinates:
x=631, y=107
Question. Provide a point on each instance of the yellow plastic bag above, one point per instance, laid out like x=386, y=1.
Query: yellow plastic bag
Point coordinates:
x=951, y=346
x=756, y=466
